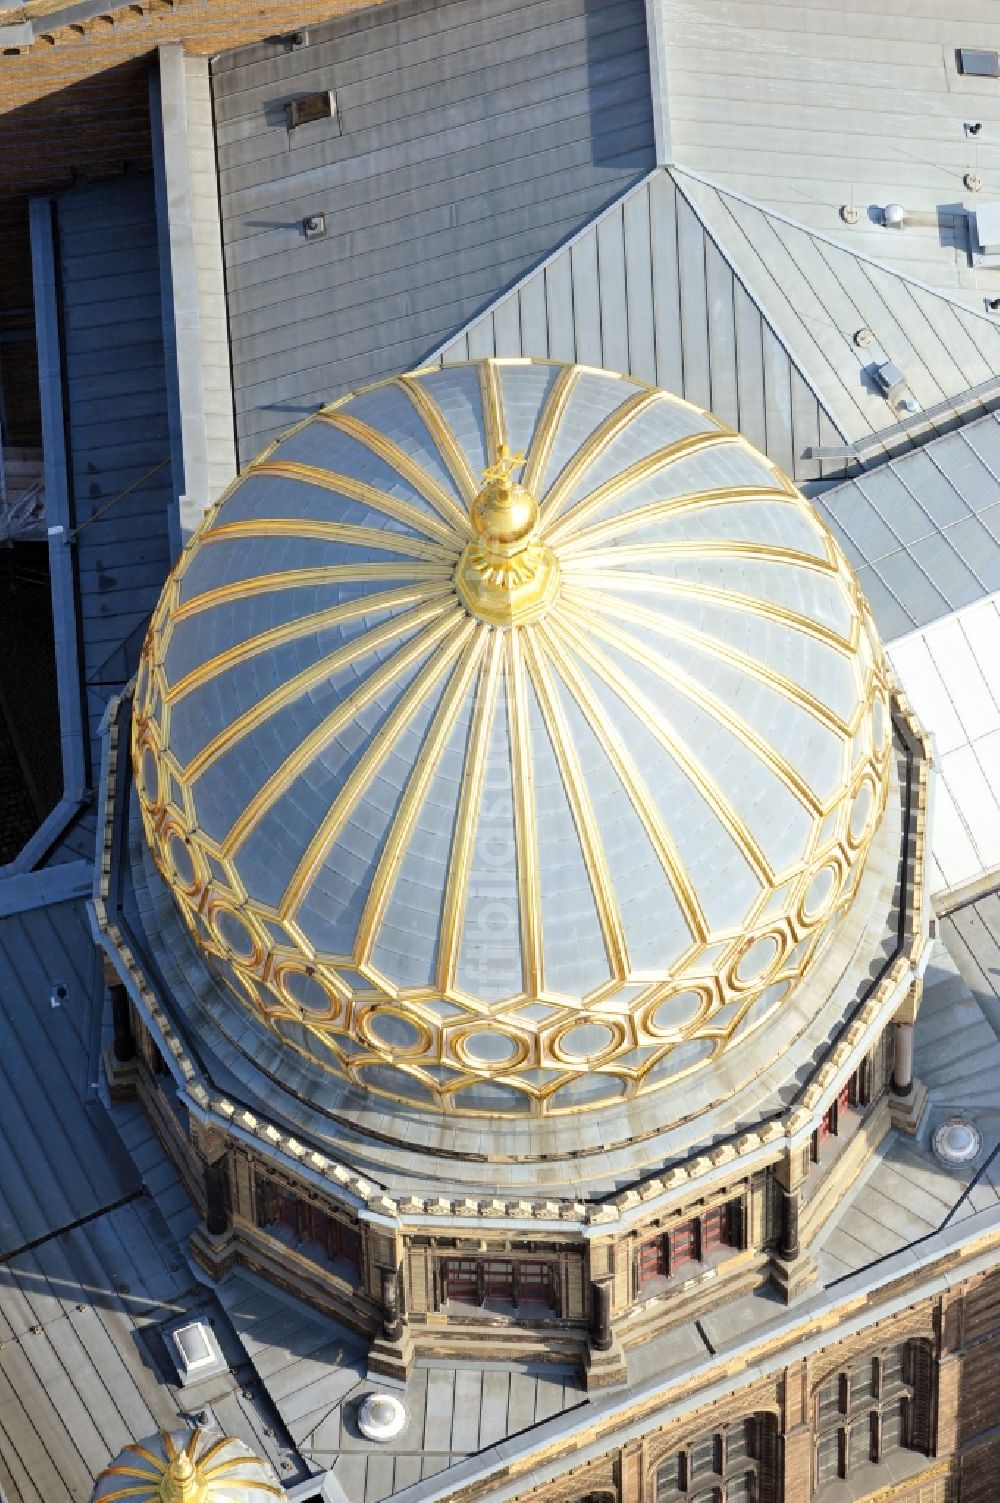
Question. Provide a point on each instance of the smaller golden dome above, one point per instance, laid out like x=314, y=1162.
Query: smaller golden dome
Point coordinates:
x=505, y=576
x=188, y=1467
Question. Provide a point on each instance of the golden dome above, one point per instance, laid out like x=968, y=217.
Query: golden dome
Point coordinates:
x=510, y=736
x=187, y=1468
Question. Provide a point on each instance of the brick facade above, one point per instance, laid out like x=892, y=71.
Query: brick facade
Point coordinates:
x=77, y=100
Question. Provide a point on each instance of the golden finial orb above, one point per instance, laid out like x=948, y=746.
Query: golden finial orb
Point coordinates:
x=506, y=575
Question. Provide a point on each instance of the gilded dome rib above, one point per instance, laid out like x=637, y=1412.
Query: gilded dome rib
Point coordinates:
x=525, y=822
x=302, y=626
x=669, y=507
x=311, y=745
x=551, y=415
x=556, y=531
x=711, y=645
x=470, y=800
x=348, y=534
x=357, y=490
x=401, y=829
x=404, y=463
x=712, y=705
x=633, y=783
x=319, y=672
x=443, y=657
x=494, y=415
x=302, y=579
x=451, y=451
x=590, y=451
x=727, y=548
x=575, y=785
x=674, y=745
x=625, y=579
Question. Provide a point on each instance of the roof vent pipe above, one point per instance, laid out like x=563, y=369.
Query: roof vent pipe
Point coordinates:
x=894, y=217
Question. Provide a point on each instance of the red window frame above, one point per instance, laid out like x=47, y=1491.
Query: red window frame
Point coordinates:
x=652, y=1260
x=835, y=1109
x=534, y=1282
x=715, y=1229
x=498, y=1279
x=287, y=1209
x=460, y=1277
x=347, y=1244
x=684, y=1247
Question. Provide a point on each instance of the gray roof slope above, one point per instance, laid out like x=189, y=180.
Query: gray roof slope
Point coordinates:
x=314, y=1372
x=972, y=934
x=59, y=1166
x=923, y=532
x=817, y=294
x=646, y=289
x=470, y=139
x=89, y=1268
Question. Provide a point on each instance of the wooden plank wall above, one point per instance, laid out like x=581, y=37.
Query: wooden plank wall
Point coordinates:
x=646, y=290
x=472, y=137
x=116, y=420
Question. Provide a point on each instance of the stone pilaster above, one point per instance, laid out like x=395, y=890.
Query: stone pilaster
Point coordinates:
x=902, y=1069
x=631, y=1470
x=790, y=1270
x=391, y=1354
x=796, y=1451
x=216, y=1210
x=604, y=1361
x=121, y=1018
x=120, y=1058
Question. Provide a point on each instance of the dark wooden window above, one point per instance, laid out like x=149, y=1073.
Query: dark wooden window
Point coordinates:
x=308, y=1222
x=461, y=1279
x=683, y=1244
x=690, y=1242
x=652, y=1260
x=735, y=1464
x=498, y=1278
x=880, y=1404
x=499, y=1281
x=534, y=1283
x=715, y=1229
x=833, y=1116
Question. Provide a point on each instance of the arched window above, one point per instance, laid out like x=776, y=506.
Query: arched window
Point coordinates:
x=880, y=1404
x=735, y=1464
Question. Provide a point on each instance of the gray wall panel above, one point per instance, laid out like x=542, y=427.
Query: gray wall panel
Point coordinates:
x=473, y=138
x=117, y=428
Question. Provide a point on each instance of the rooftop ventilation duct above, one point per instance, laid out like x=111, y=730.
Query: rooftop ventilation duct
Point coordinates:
x=895, y=388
